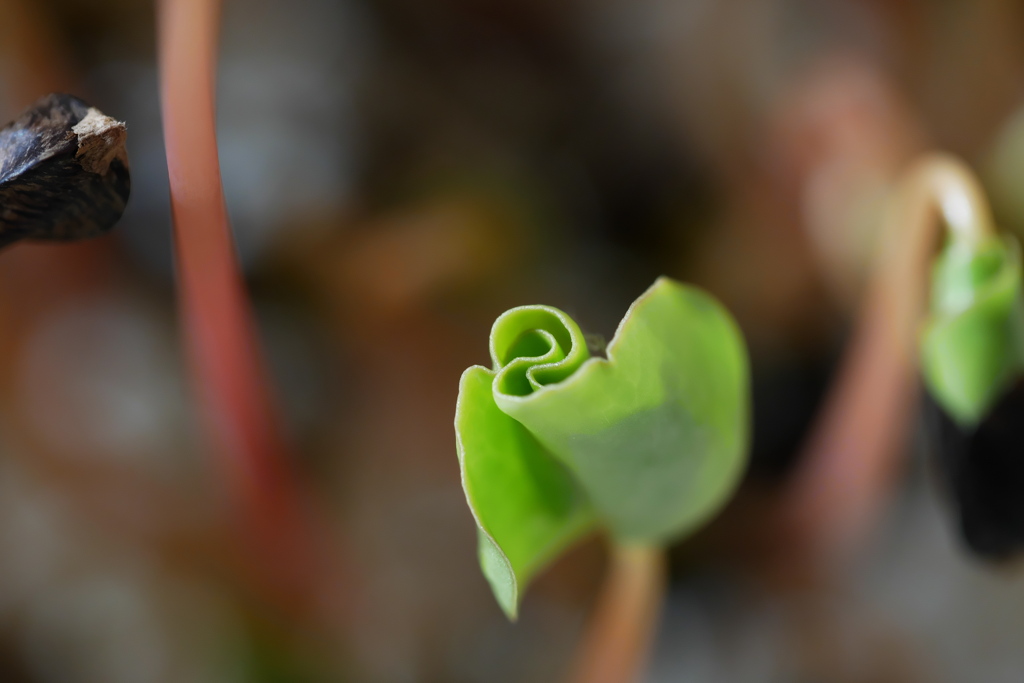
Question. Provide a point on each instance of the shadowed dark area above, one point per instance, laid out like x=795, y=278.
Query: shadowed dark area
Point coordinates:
x=983, y=471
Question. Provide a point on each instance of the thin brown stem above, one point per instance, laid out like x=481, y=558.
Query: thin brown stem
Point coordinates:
x=618, y=635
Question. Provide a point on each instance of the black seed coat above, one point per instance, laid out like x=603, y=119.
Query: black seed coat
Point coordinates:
x=983, y=471
x=45, y=190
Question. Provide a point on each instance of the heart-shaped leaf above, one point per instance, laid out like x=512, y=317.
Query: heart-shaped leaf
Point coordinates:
x=654, y=436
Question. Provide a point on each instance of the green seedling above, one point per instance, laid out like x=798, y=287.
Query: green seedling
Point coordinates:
x=646, y=444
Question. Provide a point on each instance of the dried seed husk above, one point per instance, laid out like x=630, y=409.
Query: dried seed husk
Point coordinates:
x=63, y=172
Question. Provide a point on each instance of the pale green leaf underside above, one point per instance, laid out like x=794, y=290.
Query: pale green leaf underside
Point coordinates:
x=654, y=436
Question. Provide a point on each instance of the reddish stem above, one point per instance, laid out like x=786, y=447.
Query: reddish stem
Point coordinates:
x=224, y=355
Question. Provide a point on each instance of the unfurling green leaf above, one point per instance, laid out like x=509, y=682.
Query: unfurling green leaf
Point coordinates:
x=648, y=443
x=972, y=344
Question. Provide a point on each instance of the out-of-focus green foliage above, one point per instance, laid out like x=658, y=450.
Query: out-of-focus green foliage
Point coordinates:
x=648, y=442
x=972, y=343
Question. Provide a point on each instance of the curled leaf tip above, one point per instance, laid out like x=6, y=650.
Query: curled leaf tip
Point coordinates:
x=533, y=347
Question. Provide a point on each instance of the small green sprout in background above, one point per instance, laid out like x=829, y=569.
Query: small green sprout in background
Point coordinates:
x=646, y=444
x=972, y=359
x=973, y=343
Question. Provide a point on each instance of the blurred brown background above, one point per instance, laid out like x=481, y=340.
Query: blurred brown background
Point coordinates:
x=398, y=173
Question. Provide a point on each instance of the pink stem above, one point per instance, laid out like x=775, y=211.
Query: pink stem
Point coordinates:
x=226, y=363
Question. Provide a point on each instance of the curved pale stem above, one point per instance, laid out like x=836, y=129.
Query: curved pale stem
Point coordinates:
x=957, y=194
x=618, y=635
x=853, y=452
